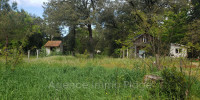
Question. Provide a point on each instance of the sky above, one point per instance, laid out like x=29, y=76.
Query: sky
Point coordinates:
x=31, y=6
x=35, y=7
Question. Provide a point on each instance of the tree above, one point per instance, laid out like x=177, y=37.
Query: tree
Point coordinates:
x=14, y=25
x=191, y=39
x=117, y=23
x=75, y=12
x=195, y=9
x=176, y=26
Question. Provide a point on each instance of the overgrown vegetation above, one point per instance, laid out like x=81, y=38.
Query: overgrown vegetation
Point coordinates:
x=67, y=77
x=175, y=84
x=100, y=29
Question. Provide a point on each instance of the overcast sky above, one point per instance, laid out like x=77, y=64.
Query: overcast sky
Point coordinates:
x=31, y=6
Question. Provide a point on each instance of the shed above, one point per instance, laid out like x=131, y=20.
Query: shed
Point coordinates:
x=178, y=50
x=53, y=46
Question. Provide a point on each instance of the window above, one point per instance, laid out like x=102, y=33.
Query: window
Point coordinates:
x=178, y=50
x=52, y=48
x=144, y=39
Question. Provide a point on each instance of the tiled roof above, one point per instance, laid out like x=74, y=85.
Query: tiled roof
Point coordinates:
x=53, y=44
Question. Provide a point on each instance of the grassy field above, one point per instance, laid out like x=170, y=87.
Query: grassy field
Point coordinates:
x=66, y=77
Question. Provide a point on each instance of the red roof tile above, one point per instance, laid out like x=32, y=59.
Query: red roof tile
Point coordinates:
x=53, y=44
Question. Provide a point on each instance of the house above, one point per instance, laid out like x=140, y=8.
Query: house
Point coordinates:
x=140, y=42
x=53, y=46
x=178, y=50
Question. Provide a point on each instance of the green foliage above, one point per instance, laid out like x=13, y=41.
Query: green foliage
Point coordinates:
x=154, y=90
x=15, y=56
x=54, y=53
x=82, y=56
x=44, y=82
x=195, y=88
x=174, y=84
x=191, y=39
x=106, y=51
x=51, y=77
x=43, y=52
x=117, y=52
x=195, y=10
x=34, y=41
x=86, y=54
x=114, y=24
x=175, y=26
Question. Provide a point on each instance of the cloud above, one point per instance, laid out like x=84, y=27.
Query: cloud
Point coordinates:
x=32, y=3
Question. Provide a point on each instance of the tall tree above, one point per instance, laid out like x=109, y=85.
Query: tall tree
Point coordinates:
x=195, y=9
x=60, y=12
x=76, y=12
x=191, y=39
x=6, y=22
x=14, y=24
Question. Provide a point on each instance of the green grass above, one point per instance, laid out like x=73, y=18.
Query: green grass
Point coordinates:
x=66, y=77
x=44, y=82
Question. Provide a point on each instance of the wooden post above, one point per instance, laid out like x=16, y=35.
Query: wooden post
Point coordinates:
x=28, y=54
x=37, y=53
x=135, y=51
x=120, y=53
x=157, y=61
x=127, y=53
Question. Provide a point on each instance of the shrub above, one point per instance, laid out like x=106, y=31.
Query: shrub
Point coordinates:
x=174, y=84
x=42, y=52
x=14, y=56
x=54, y=53
x=82, y=55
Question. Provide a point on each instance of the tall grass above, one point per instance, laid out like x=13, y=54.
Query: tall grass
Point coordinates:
x=44, y=82
x=66, y=77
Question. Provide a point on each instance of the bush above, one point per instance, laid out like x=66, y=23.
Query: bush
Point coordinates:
x=42, y=52
x=54, y=53
x=174, y=84
x=82, y=56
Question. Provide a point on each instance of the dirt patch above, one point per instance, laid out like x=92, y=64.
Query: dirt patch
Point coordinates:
x=196, y=63
x=189, y=66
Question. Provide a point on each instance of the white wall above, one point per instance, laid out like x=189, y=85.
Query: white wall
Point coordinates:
x=173, y=52
x=58, y=49
x=48, y=51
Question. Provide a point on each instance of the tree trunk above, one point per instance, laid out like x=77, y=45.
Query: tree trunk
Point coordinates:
x=91, y=47
x=74, y=40
x=6, y=49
